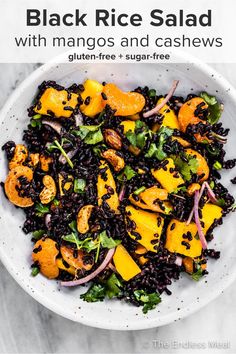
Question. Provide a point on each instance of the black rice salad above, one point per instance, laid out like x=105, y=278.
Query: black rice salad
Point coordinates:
x=121, y=190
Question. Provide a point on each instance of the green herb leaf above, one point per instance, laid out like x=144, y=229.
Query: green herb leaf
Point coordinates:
x=41, y=209
x=113, y=286
x=37, y=235
x=79, y=185
x=198, y=274
x=141, y=139
x=56, y=202
x=186, y=168
x=56, y=145
x=127, y=174
x=152, y=93
x=221, y=202
x=107, y=242
x=96, y=292
x=156, y=150
x=91, y=134
x=139, y=190
x=94, y=137
x=214, y=107
x=217, y=165
x=131, y=136
x=149, y=301
x=73, y=238
x=37, y=116
x=34, y=271
x=36, y=123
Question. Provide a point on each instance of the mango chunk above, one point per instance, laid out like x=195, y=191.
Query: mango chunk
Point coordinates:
x=174, y=238
x=65, y=183
x=154, y=199
x=147, y=225
x=210, y=212
x=56, y=103
x=124, y=263
x=188, y=264
x=170, y=119
x=106, y=181
x=128, y=125
x=61, y=265
x=169, y=179
x=182, y=142
x=93, y=90
x=125, y=103
x=202, y=164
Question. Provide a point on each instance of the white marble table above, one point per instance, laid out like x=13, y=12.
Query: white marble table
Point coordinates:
x=28, y=327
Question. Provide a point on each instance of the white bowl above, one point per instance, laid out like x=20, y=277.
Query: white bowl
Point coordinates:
x=15, y=247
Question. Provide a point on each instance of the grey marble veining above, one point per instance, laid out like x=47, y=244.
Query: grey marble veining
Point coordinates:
x=28, y=327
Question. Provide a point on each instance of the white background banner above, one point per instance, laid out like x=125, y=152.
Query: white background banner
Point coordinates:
x=120, y=31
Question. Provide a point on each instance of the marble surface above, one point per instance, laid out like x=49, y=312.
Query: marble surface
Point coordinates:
x=28, y=327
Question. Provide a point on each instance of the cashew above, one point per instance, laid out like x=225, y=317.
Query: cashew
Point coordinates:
x=12, y=182
x=113, y=139
x=65, y=183
x=34, y=160
x=83, y=218
x=20, y=155
x=49, y=191
x=116, y=161
x=45, y=162
x=44, y=253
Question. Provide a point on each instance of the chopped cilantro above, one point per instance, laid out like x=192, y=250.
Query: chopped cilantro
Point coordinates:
x=198, y=274
x=107, y=242
x=156, y=150
x=79, y=185
x=186, y=168
x=152, y=93
x=127, y=174
x=214, y=107
x=38, y=234
x=91, y=134
x=149, y=301
x=41, y=209
x=35, y=271
x=113, y=286
x=96, y=292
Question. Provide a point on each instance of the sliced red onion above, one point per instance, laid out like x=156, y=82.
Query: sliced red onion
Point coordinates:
x=113, y=268
x=122, y=193
x=156, y=109
x=211, y=196
x=210, y=193
x=78, y=119
x=48, y=220
x=179, y=261
x=54, y=125
x=70, y=154
x=92, y=275
x=197, y=220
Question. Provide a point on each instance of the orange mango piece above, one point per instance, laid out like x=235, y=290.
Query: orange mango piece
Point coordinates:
x=12, y=182
x=202, y=164
x=45, y=253
x=93, y=90
x=125, y=103
x=102, y=184
x=76, y=262
x=56, y=102
x=124, y=263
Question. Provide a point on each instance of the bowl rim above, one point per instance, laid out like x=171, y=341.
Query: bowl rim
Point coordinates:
x=103, y=324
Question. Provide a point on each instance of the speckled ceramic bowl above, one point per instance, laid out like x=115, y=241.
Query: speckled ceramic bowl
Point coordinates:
x=15, y=247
